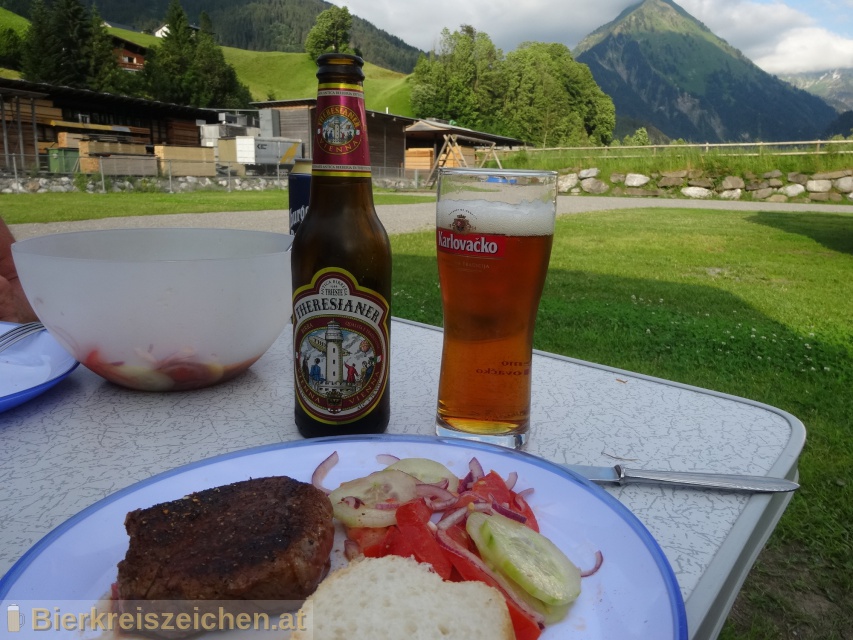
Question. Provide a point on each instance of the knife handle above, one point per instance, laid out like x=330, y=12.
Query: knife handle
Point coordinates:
x=752, y=484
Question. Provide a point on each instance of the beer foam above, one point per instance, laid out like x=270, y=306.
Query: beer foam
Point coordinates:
x=526, y=218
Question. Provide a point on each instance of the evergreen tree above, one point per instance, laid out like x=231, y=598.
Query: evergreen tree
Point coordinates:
x=104, y=72
x=40, y=48
x=189, y=68
x=11, y=49
x=331, y=32
x=72, y=30
x=167, y=67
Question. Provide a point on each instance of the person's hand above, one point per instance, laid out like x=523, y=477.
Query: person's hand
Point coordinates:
x=14, y=306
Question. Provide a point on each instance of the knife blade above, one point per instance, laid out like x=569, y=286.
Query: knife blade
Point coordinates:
x=621, y=475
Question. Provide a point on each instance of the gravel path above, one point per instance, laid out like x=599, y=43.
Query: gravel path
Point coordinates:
x=396, y=218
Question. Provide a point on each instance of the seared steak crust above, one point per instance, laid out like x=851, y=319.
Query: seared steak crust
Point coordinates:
x=260, y=539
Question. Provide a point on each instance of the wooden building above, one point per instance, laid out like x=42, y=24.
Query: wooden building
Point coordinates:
x=34, y=116
x=294, y=119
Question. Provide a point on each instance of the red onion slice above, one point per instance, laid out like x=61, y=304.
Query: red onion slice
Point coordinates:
x=322, y=470
x=599, y=560
x=386, y=459
x=525, y=493
x=476, y=469
x=511, y=479
x=509, y=513
x=387, y=506
x=520, y=502
x=353, y=502
x=452, y=518
x=352, y=549
x=433, y=491
x=439, y=505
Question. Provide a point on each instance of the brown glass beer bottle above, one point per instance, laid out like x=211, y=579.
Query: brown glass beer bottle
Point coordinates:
x=341, y=271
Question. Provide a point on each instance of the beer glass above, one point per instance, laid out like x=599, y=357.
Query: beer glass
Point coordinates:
x=494, y=230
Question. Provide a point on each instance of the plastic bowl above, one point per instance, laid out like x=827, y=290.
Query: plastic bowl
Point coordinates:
x=160, y=309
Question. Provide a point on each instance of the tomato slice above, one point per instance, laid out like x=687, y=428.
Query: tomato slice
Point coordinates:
x=371, y=540
x=520, y=506
x=491, y=487
x=415, y=538
x=525, y=627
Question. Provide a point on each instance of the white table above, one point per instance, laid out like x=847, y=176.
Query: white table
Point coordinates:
x=86, y=438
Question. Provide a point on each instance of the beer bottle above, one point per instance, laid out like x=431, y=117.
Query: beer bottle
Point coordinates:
x=341, y=270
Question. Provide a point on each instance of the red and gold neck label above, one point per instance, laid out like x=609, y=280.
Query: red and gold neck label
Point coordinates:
x=340, y=135
x=340, y=338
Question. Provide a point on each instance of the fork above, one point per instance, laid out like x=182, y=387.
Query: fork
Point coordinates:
x=19, y=333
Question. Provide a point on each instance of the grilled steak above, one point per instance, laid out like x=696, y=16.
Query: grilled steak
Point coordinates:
x=261, y=539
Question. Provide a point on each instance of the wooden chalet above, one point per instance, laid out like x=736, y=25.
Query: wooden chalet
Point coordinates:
x=36, y=117
x=294, y=119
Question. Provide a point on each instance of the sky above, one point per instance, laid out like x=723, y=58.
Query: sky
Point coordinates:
x=780, y=36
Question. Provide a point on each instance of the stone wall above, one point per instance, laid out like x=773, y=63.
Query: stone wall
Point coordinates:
x=774, y=186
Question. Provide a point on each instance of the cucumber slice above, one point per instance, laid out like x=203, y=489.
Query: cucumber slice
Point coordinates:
x=428, y=471
x=527, y=558
x=381, y=487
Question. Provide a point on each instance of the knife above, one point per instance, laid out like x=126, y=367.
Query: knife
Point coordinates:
x=620, y=475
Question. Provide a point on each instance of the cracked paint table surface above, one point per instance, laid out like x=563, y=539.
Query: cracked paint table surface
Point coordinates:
x=86, y=438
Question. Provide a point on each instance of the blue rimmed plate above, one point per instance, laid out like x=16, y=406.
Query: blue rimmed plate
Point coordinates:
x=30, y=367
x=633, y=595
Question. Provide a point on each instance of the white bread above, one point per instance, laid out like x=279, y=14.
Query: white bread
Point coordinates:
x=394, y=598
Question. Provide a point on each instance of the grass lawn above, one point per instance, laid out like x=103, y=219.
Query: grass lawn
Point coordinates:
x=759, y=305
x=62, y=207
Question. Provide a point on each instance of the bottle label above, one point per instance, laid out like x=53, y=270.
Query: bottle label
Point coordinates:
x=340, y=136
x=340, y=340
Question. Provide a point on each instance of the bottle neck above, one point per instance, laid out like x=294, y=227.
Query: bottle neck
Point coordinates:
x=340, y=143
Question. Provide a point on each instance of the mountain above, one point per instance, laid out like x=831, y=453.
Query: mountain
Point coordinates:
x=834, y=86
x=663, y=67
x=255, y=25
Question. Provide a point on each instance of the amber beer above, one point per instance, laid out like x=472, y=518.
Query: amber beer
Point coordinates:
x=493, y=239
x=341, y=271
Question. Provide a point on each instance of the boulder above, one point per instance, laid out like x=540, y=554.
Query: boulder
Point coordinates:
x=845, y=184
x=762, y=194
x=674, y=174
x=594, y=186
x=588, y=173
x=731, y=194
x=696, y=192
x=705, y=183
x=819, y=186
x=757, y=185
x=775, y=183
x=636, y=180
x=617, y=178
x=777, y=197
x=731, y=183
x=798, y=178
x=819, y=197
x=793, y=190
x=670, y=181
x=567, y=182
x=831, y=175
x=772, y=174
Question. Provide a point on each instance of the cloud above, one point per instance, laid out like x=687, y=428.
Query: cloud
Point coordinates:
x=775, y=35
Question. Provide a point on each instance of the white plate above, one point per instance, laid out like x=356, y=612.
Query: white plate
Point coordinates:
x=30, y=367
x=633, y=595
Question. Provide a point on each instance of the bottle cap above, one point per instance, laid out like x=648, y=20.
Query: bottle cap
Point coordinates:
x=340, y=63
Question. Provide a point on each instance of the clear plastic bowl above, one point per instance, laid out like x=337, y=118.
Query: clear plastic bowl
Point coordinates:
x=160, y=309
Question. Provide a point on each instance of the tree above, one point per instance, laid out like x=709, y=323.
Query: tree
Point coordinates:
x=104, y=73
x=462, y=81
x=11, y=49
x=72, y=32
x=331, y=32
x=40, y=48
x=189, y=68
x=167, y=66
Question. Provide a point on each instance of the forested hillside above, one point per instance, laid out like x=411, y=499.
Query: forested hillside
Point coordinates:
x=256, y=25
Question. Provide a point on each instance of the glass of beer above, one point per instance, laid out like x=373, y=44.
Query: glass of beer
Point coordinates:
x=494, y=230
